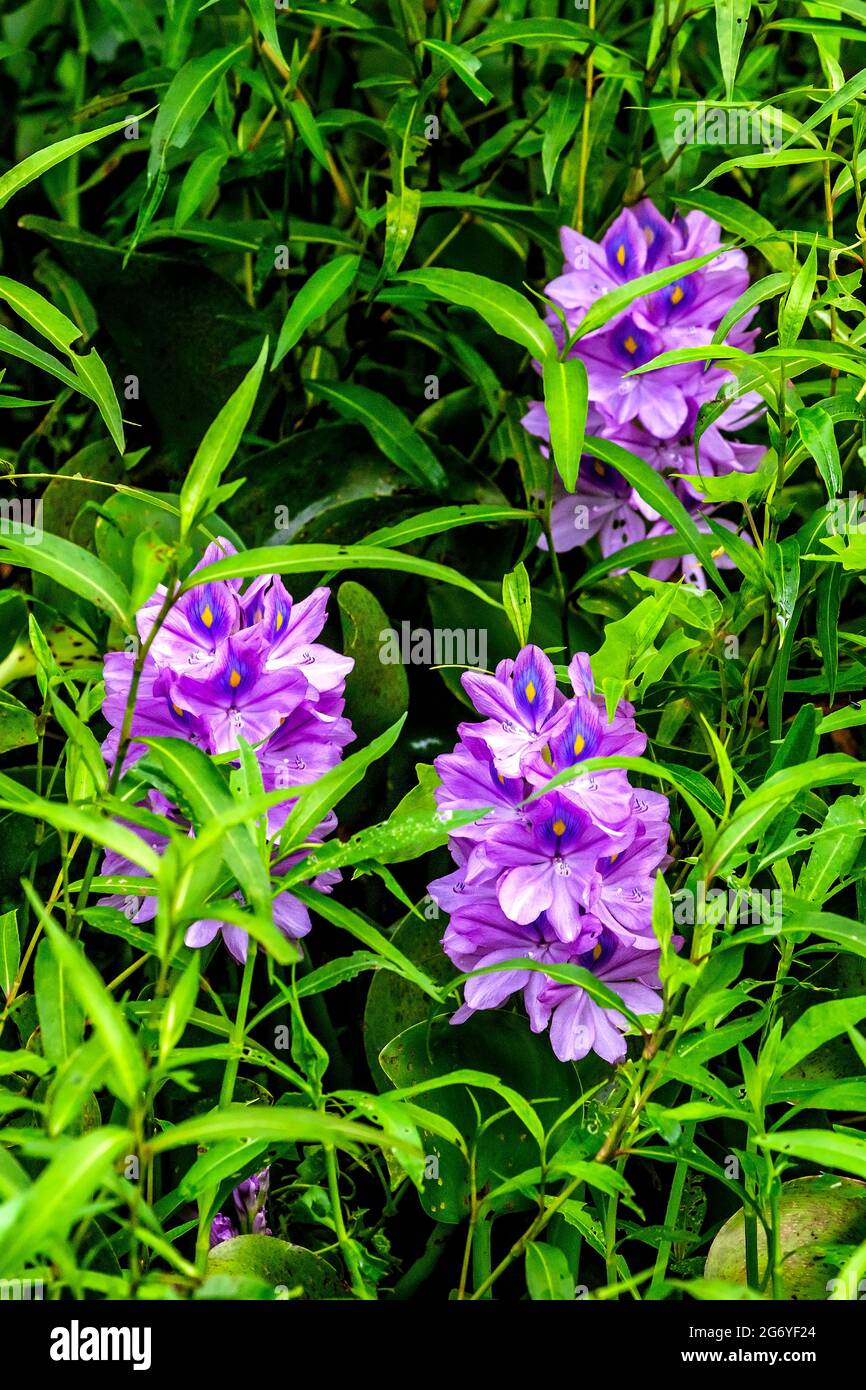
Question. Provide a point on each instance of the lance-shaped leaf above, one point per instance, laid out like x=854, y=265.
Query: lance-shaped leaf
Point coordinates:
x=35, y=165
x=126, y=1075
x=313, y=299
x=566, y=396
x=208, y=796
x=388, y=427
x=312, y=559
x=43, y=1213
x=218, y=447
x=72, y=567
x=732, y=17
x=504, y=309
x=654, y=490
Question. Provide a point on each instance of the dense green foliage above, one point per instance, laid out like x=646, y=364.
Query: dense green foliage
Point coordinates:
x=275, y=273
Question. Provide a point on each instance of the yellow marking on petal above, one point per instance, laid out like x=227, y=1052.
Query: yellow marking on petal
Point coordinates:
x=235, y=679
x=530, y=692
x=596, y=950
x=559, y=827
x=579, y=745
x=677, y=294
x=278, y=624
x=207, y=616
x=620, y=255
x=547, y=755
x=501, y=778
x=177, y=709
x=630, y=345
x=614, y=857
x=599, y=468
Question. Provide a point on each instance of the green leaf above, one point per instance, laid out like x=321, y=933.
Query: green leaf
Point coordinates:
x=10, y=950
x=757, y=293
x=219, y=446
x=816, y=1026
x=126, y=1076
x=275, y=1263
x=39, y=163
x=92, y=371
x=312, y=559
x=73, y=568
x=517, y=601
x=210, y=800
x=440, y=519
x=321, y=796
x=818, y=436
x=16, y=346
x=538, y=33
x=265, y=15
x=794, y=311
x=848, y=92
x=769, y=161
x=43, y=1213
x=726, y=772
x=741, y=219
x=179, y=1006
x=309, y=132
x=101, y=829
x=276, y=1123
x=401, y=219
x=820, y=1146
x=388, y=427
x=40, y=313
x=504, y=309
x=17, y=723
x=548, y=1277
x=190, y=93
x=61, y=1015
x=343, y=917
x=377, y=690
x=200, y=181
x=604, y=309
x=314, y=298
x=829, y=597
x=770, y=799
x=566, y=105
x=465, y=64
x=566, y=397
x=654, y=490
x=732, y=17
x=77, y=1080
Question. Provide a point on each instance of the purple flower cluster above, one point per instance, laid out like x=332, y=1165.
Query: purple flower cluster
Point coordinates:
x=250, y=1217
x=226, y=665
x=652, y=415
x=566, y=878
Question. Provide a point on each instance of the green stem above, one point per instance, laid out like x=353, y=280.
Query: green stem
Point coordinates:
x=672, y=1212
x=481, y=1259
x=227, y=1091
x=347, y=1246
x=239, y=1029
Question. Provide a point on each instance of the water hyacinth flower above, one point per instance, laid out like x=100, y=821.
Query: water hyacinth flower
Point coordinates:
x=564, y=878
x=227, y=665
x=250, y=1217
x=652, y=415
